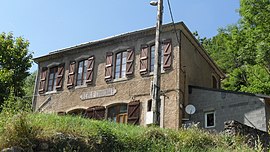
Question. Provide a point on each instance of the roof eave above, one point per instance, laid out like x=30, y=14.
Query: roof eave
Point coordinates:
x=111, y=38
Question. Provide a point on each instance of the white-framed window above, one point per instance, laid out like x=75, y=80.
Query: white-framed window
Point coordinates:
x=52, y=79
x=81, y=72
x=152, y=57
x=210, y=119
x=120, y=65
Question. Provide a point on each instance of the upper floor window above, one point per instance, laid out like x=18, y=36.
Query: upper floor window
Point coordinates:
x=214, y=82
x=147, y=57
x=120, y=65
x=152, y=57
x=84, y=73
x=52, y=79
x=81, y=73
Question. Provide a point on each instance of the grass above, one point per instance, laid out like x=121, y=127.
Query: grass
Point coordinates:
x=68, y=133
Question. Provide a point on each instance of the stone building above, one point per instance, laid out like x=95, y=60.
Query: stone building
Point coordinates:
x=111, y=78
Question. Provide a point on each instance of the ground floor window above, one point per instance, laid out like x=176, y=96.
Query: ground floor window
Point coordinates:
x=117, y=113
x=209, y=119
x=121, y=112
x=77, y=112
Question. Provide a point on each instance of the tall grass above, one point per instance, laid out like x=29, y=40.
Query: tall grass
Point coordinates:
x=68, y=133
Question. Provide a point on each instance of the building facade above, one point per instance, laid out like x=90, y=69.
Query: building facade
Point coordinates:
x=111, y=78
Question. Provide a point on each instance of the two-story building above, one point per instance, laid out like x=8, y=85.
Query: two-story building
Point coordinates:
x=111, y=78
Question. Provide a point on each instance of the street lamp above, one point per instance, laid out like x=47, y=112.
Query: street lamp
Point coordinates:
x=154, y=3
x=157, y=64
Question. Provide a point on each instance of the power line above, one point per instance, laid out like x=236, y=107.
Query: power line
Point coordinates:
x=170, y=9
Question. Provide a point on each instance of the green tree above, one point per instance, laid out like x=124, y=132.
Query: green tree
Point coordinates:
x=256, y=21
x=15, y=61
x=29, y=85
x=243, y=50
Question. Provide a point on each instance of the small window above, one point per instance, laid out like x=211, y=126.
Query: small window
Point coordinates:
x=152, y=58
x=210, y=119
x=149, y=105
x=120, y=65
x=214, y=82
x=81, y=73
x=52, y=79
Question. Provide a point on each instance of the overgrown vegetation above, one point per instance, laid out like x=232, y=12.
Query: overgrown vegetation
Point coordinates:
x=15, y=61
x=242, y=50
x=69, y=133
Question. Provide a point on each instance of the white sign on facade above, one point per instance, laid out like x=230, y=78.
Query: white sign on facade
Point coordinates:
x=98, y=93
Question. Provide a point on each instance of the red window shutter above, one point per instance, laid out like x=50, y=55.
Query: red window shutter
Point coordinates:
x=109, y=66
x=71, y=75
x=97, y=113
x=42, y=81
x=90, y=69
x=167, y=52
x=134, y=110
x=130, y=62
x=100, y=113
x=144, y=59
x=60, y=76
x=90, y=113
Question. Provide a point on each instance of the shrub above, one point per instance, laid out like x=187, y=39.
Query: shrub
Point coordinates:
x=18, y=131
x=194, y=137
x=13, y=105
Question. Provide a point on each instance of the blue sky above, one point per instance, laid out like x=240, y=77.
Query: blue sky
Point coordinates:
x=54, y=24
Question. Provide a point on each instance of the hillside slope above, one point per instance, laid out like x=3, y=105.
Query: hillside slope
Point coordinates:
x=47, y=132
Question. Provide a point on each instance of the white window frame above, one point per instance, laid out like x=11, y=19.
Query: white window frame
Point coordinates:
x=205, y=119
x=84, y=72
x=151, y=71
x=121, y=65
x=55, y=74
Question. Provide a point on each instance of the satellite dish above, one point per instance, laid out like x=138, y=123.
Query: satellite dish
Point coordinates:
x=190, y=109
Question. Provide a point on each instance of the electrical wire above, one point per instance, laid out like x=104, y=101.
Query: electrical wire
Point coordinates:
x=170, y=9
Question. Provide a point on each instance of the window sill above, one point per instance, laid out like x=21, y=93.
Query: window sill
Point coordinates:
x=209, y=127
x=152, y=73
x=81, y=86
x=51, y=92
x=120, y=79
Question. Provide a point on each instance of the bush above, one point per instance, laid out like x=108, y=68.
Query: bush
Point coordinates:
x=13, y=105
x=18, y=131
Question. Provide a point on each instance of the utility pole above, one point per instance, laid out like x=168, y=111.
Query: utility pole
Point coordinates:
x=157, y=66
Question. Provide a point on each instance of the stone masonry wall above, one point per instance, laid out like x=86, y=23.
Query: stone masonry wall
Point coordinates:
x=252, y=135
